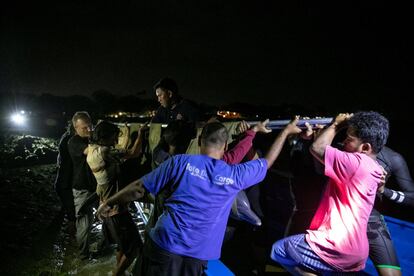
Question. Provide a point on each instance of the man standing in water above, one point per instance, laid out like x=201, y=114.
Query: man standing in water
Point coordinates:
x=83, y=181
x=63, y=181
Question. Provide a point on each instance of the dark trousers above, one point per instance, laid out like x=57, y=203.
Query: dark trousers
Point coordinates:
x=155, y=261
x=84, y=221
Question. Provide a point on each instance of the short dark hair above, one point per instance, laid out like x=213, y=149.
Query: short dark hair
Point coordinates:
x=214, y=134
x=81, y=115
x=178, y=133
x=103, y=131
x=167, y=84
x=371, y=127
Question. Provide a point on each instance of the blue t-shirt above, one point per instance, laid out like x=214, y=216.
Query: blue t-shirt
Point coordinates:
x=196, y=214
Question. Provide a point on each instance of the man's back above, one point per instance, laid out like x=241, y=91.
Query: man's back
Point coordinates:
x=83, y=178
x=197, y=211
x=64, y=162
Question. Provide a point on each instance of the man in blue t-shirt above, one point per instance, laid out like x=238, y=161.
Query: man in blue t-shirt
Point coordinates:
x=191, y=229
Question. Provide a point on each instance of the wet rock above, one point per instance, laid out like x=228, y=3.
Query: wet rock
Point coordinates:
x=21, y=150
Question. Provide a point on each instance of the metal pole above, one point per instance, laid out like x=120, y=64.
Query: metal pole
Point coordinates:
x=280, y=124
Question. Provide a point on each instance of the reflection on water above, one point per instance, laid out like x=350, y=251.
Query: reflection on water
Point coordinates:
x=61, y=257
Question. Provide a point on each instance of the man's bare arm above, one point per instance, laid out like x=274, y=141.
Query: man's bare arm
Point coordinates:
x=326, y=137
x=277, y=145
x=133, y=191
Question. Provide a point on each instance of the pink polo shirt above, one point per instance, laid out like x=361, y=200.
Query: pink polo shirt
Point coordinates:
x=338, y=232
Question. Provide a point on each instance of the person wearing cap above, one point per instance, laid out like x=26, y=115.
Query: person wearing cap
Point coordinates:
x=173, y=106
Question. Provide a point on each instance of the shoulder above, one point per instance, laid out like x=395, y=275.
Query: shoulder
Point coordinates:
x=257, y=163
x=77, y=144
x=394, y=156
x=181, y=158
x=392, y=160
x=66, y=136
x=173, y=161
x=339, y=160
x=160, y=115
x=75, y=139
x=160, y=111
x=187, y=103
x=198, y=160
x=101, y=149
x=63, y=142
x=367, y=163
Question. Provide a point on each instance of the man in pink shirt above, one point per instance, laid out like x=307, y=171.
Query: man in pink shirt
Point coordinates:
x=336, y=240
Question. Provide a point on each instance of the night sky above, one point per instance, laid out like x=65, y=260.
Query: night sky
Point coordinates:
x=343, y=55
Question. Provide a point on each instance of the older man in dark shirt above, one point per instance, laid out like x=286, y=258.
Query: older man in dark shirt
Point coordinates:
x=83, y=181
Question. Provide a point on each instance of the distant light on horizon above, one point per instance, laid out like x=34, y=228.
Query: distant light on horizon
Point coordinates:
x=18, y=118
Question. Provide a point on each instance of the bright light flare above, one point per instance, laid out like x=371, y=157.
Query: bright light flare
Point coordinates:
x=18, y=118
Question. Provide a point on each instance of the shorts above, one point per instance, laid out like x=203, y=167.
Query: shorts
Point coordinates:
x=381, y=248
x=295, y=251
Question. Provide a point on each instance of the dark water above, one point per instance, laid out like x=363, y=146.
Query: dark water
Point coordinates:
x=45, y=245
x=35, y=239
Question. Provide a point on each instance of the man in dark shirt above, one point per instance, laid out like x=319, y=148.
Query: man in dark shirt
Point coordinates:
x=63, y=182
x=173, y=107
x=381, y=247
x=83, y=181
